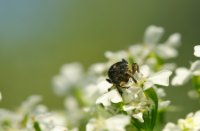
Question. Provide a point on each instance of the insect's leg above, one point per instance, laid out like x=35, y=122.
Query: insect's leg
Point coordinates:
x=108, y=80
x=138, y=68
x=119, y=89
x=135, y=67
x=134, y=79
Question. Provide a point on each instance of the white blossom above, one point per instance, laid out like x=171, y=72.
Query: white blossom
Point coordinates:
x=183, y=74
x=159, y=78
x=190, y=123
x=112, y=96
x=171, y=127
x=153, y=34
x=70, y=75
x=115, y=123
x=197, y=50
x=116, y=56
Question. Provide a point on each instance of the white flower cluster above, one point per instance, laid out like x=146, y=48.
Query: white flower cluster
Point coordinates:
x=190, y=123
x=94, y=104
x=183, y=75
x=32, y=116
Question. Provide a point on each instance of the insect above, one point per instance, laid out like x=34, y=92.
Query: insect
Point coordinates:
x=120, y=73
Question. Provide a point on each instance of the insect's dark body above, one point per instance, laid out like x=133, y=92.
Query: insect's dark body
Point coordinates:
x=119, y=73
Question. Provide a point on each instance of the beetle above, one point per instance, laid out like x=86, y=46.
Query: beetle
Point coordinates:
x=120, y=72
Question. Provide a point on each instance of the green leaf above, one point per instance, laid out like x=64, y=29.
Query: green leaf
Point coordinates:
x=37, y=126
x=196, y=82
x=152, y=114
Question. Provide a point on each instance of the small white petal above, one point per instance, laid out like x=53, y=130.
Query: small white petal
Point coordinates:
x=60, y=85
x=171, y=127
x=72, y=72
x=163, y=104
x=128, y=108
x=116, y=56
x=153, y=34
x=197, y=50
x=97, y=68
x=193, y=94
x=195, y=66
x=139, y=52
x=117, y=123
x=103, y=86
x=161, y=92
x=174, y=40
x=111, y=96
x=91, y=125
x=145, y=70
x=166, y=52
x=139, y=116
x=59, y=128
x=147, y=85
x=197, y=118
x=181, y=77
x=161, y=78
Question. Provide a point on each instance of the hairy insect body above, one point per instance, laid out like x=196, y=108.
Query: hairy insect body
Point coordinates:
x=119, y=73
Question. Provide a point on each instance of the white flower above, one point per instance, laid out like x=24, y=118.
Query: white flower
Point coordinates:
x=51, y=121
x=59, y=128
x=183, y=74
x=112, y=96
x=30, y=104
x=159, y=78
x=166, y=50
x=99, y=88
x=135, y=102
x=197, y=50
x=163, y=104
x=98, y=68
x=174, y=40
x=115, y=123
x=74, y=112
x=171, y=127
x=153, y=34
x=190, y=123
x=116, y=56
x=139, y=116
x=70, y=75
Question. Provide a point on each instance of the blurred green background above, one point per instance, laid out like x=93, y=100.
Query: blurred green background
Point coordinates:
x=38, y=37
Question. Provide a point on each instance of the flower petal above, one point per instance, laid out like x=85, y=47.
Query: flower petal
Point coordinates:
x=174, y=40
x=197, y=50
x=171, y=127
x=111, y=96
x=139, y=116
x=195, y=66
x=91, y=125
x=164, y=104
x=153, y=34
x=161, y=78
x=117, y=123
x=181, y=77
x=166, y=51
